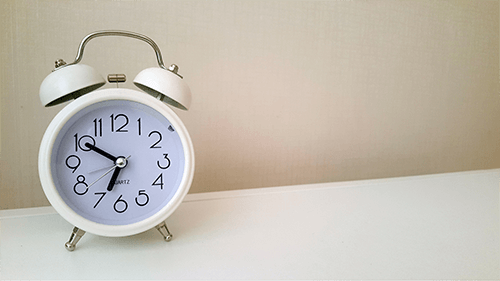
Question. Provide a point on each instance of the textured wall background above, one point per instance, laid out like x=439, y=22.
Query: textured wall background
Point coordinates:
x=285, y=92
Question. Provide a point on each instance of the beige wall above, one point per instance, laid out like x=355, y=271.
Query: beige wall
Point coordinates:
x=285, y=92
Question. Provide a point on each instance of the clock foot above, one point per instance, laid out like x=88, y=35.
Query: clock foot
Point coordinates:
x=162, y=228
x=74, y=238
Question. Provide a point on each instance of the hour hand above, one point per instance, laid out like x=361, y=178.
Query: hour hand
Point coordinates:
x=113, y=178
x=120, y=164
x=100, y=151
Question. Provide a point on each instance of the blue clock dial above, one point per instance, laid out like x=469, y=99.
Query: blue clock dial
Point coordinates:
x=117, y=162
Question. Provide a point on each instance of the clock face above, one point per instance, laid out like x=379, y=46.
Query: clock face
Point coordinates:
x=117, y=162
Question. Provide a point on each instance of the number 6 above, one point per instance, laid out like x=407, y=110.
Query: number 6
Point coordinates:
x=123, y=201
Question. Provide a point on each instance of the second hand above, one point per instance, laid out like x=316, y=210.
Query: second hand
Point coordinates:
x=107, y=172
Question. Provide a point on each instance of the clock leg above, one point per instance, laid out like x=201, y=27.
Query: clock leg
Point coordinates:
x=162, y=228
x=74, y=238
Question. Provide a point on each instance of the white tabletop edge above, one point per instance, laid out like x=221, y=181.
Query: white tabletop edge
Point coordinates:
x=216, y=195
x=27, y=212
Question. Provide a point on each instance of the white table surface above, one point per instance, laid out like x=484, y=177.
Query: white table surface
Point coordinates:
x=442, y=226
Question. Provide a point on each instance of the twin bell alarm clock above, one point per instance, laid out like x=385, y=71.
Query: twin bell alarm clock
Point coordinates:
x=115, y=162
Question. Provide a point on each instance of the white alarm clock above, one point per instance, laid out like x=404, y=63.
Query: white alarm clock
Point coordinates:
x=115, y=162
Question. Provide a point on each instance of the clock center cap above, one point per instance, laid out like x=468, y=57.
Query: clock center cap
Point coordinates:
x=121, y=162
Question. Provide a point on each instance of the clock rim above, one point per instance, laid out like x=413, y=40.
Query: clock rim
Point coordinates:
x=47, y=145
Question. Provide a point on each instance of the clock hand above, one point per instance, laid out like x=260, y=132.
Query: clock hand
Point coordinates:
x=107, y=172
x=100, y=151
x=100, y=169
x=121, y=163
x=113, y=178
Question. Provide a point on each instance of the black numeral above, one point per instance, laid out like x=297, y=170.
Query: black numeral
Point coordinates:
x=167, y=162
x=120, y=205
x=159, y=181
x=84, y=139
x=139, y=126
x=155, y=145
x=71, y=163
x=80, y=182
x=114, y=119
x=142, y=193
x=100, y=198
x=98, y=127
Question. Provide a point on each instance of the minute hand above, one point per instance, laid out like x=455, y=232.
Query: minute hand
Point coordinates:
x=100, y=151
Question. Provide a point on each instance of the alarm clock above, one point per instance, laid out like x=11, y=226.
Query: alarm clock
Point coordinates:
x=115, y=162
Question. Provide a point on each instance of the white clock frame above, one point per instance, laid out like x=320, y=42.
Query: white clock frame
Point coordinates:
x=47, y=145
x=79, y=82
